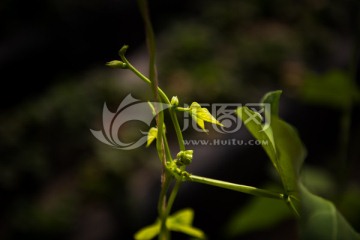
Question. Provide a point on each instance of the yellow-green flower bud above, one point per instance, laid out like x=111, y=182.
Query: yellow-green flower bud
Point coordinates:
x=175, y=101
x=185, y=157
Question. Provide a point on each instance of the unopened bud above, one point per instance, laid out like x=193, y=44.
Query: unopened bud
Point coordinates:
x=174, y=101
x=116, y=64
x=185, y=157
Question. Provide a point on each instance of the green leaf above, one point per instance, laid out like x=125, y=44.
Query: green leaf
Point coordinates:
x=200, y=115
x=152, y=134
x=321, y=220
x=181, y=221
x=184, y=216
x=148, y=232
x=189, y=230
x=285, y=150
x=318, y=181
x=290, y=153
x=246, y=115
x=319, y=217
x=272, y=98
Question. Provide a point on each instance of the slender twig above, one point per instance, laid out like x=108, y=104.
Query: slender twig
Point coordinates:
x=129, y=66
x=150, y=40
x=236, y=187
x=172, y=196
x=177, y=129
x=162, y=206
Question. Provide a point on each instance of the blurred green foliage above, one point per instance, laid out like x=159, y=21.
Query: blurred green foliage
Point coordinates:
x=257, y=215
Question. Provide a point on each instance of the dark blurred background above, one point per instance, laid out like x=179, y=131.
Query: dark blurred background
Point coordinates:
x=58, y=182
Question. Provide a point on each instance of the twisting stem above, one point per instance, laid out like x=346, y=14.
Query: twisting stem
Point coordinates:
x=162, y=202
x=161, y=143
x=150, y=40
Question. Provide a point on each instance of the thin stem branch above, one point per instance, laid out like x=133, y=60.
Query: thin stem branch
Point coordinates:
x=150, y=40
x=177, y=129
x=167, y=149
x=162, y=206
x=139, y=74
x=236, y=187
x=162, y=95
x=165, y=177
x=172, y=197
x=161, y=144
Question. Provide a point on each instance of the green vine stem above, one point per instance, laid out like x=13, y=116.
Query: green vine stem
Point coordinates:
x=172, y=197
x=236, y=187
x=246, y=189
x=160, y=143
x=177, y=129
x=127, y=65
x=163, y=150
x=165, y=207
x=218, y=183
x=150, y=40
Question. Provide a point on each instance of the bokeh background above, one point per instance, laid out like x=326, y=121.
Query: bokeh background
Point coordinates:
x=58, y=182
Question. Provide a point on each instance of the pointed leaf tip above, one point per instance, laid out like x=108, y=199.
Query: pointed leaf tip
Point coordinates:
x=272, y=98
x=201, y=115
x=152, y=134
x=148, y=232
x=181, y=221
